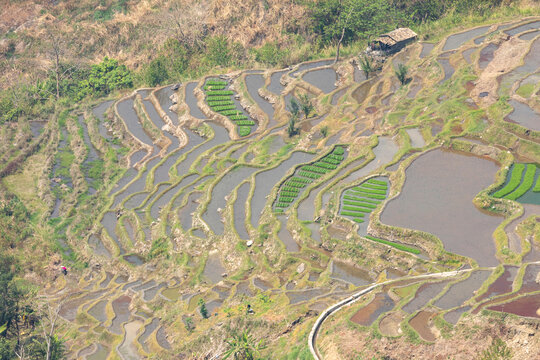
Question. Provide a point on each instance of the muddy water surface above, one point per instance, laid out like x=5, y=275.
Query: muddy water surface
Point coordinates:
x=275, y=85
x=528, y=306
x=253, y=84
x=460, y=292
x=486, y=55
x=423, y=295
x=148, y=330
x=213, y=270
x=456, y=40
x=350, y=274
x=502, y=285
x=220, y=191
x=421, y=323
x=368, y=314
x=438, y=191
x=121, y=311
x=310, y=65
x=240, y=210
x=163, y=96
x=523, y=115
x=324, y=79
x=285, y=235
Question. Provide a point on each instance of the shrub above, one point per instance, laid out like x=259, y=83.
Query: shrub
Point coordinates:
x=156, y=72
x=513, y=183
x=270, y=54
x=395, y=245
x=525, y=185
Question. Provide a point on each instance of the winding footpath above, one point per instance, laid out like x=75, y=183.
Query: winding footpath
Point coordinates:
x=353, y=298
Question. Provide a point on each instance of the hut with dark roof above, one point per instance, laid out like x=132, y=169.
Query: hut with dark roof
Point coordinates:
x=394, y=40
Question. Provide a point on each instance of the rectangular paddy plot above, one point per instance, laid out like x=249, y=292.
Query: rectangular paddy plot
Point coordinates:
x=295, y=184
x=521, y=184
x=221, y=100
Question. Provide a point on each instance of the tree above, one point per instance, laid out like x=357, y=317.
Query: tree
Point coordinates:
x=156, y=73
x=366, y=65
x=305, y=104
x=186, y=22
x=401, y=73
x=105, y=77
x=202, y=309
x=243, y=347
x=295, y=108
x=291, y=128
x=338, y=22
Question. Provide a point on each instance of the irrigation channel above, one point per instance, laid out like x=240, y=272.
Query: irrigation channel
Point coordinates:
x=209, y=182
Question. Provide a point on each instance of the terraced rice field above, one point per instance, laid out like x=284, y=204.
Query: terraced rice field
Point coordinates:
x=206, y=191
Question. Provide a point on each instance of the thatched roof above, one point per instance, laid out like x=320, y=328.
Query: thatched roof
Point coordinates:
x=396, y=36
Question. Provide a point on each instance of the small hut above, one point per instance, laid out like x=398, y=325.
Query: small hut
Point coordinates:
x=394, y=40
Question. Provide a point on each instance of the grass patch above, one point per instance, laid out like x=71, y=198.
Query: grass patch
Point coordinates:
x=394, y=245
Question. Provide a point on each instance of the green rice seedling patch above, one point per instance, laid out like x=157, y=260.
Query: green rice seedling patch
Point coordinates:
x=394, y=245
x=358, y=220
x=537, y=185
x=306, y=174
x=356, y=208
x=356, y=203
x=219, y=99
x=355, y=198
x=353, y=214
x=362, y=199
x=376, y=182
x=369, y=191
x=525, y=185
x=219, y=108
x=513, y=183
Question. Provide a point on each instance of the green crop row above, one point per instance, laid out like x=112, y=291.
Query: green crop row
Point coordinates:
x=338, y=151
x=527, y=183
x=356, y=208
x=215, y=82
x=285, y=199
x=212, y=93
x=358, y=220
x=301, y=180
x=314, y=169
x=394, y=245
x=369, y=191
x=368, y=194
x=513, y=183
x=245, y=123
x=351, y=213
x=218, y=98
x=325, y=165
x=281, y=205
x=214, y=87
x=227, y=112
x=244, y=130
x=374, y=187
x=537, y=185
x=335, y=157
x=309, y=174
x=288, y=193
x=278, y=209
x=220, y=102
x=290, y=189
x=355, y=198
x=376, y=182
x=295, y=184
x=238, y=117
x=326, y=159
x=220, y=108
x=367, y=205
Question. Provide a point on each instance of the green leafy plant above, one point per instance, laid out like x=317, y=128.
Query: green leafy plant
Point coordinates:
x=401, y=73
x=243, y=347
x=202, y=309
x=513, y=183
x=366, y=64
